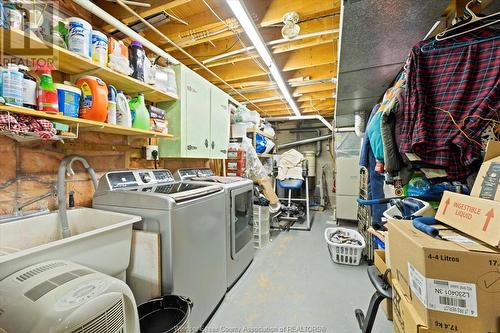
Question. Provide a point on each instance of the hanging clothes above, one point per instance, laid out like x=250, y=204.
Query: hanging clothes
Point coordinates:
x=366, y=147
x=375, y=179
x=452, y=89
x=393, y=100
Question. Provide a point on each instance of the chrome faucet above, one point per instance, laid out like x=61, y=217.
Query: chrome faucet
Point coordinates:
x=66, y=167
x=18, y=209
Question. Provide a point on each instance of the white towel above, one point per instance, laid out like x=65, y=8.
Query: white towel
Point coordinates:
x=290, y=165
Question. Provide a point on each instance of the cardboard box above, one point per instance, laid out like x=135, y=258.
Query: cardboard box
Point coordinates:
x=487, y=184
x=406, y=319
x=453, y=284
x=379, y=262
x=479, y=218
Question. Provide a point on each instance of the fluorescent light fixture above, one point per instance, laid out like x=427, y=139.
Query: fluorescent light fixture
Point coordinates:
x=246, y=22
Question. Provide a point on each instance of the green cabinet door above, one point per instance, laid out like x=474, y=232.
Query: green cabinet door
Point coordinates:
x=219, y=123
x=197, y=116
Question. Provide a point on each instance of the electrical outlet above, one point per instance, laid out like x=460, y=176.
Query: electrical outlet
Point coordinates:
x=151, y=152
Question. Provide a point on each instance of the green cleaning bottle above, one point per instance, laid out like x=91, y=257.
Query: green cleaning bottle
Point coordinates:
x=140, y=113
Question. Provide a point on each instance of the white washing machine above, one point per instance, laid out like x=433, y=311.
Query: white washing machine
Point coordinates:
x=238, y=215
x=192, y=234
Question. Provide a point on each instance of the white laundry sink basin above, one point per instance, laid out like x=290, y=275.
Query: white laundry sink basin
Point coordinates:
x=99, y=239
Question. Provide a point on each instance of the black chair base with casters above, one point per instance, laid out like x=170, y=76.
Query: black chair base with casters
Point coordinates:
x=383, y=291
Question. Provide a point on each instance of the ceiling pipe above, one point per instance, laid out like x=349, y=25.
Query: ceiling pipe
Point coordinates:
x=304, y=142
x=105, y=16
x=292, y=118
x=344, y=129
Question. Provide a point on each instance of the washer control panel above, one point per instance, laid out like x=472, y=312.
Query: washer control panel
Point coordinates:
x=133, y=178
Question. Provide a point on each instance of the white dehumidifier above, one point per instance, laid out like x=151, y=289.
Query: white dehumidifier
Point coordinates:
x=64, y=297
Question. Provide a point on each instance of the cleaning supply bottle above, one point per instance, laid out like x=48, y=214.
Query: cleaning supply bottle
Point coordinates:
x=112, y=105
x=12, y=85
x=94, y=100
x=29, y=88
x=123, y=115
x=47, y=93
x=140, y=113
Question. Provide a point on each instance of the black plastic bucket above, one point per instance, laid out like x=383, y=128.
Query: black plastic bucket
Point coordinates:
x=166, y=314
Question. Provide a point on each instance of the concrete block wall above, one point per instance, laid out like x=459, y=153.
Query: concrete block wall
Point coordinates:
x=30, y=169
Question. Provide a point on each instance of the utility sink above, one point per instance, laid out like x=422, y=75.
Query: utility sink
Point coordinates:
x=99, y=239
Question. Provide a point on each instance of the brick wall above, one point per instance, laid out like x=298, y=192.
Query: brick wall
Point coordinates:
x=30, y=169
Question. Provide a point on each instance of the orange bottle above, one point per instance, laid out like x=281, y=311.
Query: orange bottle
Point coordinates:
x=94, y=99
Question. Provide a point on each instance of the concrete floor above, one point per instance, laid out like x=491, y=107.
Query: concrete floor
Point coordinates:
x=293, y=283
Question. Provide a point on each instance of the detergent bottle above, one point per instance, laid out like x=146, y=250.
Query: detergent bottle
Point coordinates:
x=47, y=93
x=112, y=105
x=140, y=114
x=94, y=100
x=123, y=116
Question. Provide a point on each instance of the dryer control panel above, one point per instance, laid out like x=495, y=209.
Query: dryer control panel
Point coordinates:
x=133, y=178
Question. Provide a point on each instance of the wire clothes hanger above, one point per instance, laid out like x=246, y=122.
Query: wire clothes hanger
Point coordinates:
x=473, y=19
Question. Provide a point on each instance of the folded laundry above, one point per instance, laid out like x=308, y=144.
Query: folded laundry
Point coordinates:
x=341, y=237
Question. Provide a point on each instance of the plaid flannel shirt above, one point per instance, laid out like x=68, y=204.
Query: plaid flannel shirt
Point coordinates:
x=460, y=76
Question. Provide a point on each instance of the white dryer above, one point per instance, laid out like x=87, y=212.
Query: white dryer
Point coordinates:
x=238, y=215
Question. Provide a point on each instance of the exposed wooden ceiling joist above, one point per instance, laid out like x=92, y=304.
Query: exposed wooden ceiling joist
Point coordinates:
x=244, y=70
x=314, y=73
x=314, y=88
x=316, y=95
x=278, y=49
x=310, y=57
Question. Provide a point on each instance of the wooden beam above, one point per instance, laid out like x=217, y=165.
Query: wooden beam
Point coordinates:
x=200, y=24
x=310, y=57
x=320, y=105
x=315, y=96
x=124, y=16
x=260, y=94
x=314, y=73
x=244, y=70
x=314, y=88
x=278, y=49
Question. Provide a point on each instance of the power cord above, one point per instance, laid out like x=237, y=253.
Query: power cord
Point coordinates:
x=154, y=153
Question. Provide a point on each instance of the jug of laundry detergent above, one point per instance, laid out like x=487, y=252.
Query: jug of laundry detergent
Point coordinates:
x=79, y=36
x=94, y=100
x=140, y=114
x=123, y=116
x=112, y=92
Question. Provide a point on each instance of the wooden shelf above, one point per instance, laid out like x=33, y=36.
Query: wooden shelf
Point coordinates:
x=76, y=65
x=84, y=124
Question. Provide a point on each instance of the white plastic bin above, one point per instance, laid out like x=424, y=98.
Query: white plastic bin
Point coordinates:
x=347, y=254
